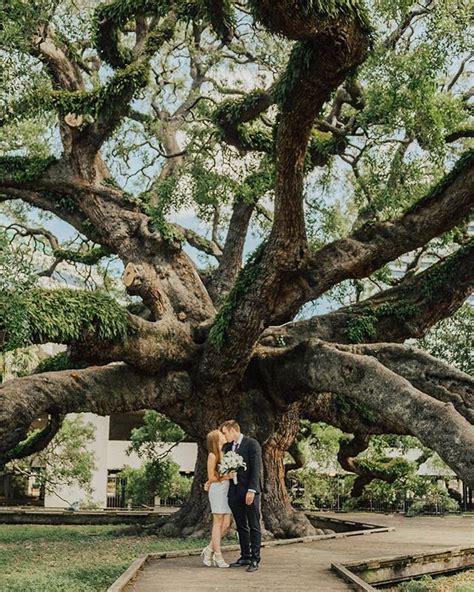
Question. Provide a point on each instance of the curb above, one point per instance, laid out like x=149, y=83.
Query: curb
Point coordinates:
x=450, y=560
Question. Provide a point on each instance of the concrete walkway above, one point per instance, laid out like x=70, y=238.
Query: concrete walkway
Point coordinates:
x=306, y=567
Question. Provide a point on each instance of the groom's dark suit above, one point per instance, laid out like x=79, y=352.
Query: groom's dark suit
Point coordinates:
x=247, y=517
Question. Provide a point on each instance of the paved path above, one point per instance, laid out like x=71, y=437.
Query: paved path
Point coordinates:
x=306, y=567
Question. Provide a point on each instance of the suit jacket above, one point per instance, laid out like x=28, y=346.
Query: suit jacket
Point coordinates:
x=250, y=478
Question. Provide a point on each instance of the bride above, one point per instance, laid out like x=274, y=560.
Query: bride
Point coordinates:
x=218, y=489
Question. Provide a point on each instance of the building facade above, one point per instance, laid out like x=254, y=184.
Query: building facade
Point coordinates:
x=112, y=434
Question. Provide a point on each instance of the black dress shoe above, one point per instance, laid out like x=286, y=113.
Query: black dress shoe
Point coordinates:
x=252, y=567
x=241, y=563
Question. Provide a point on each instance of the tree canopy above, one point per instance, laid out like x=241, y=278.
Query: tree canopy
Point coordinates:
x=285, y=188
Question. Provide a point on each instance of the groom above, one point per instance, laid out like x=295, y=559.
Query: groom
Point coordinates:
x=244, y=498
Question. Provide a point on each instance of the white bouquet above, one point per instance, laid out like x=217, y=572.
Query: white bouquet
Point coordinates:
x=230, y=463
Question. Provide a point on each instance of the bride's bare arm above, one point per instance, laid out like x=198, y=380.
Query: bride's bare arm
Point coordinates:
x=211, y=468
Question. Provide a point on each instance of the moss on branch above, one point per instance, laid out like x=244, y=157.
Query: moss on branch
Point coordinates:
x=384, y=468
x=411, y=297
x=220, y=14
x=240, y=110
x=322, y=146
x=123, y=85
x=438, y=276
x=327, y=9
x=22, y=169
x=110, y=17
x=60, y=316
x=89, y=257
x=464, y=163
x=60, y=361
x=245, y=279
x=345, y=405
x=297, y=68
x=36, y=440
x=164, y=190
x=257, y=183
x=333, y=9
x=231, y=115
x=364, y=325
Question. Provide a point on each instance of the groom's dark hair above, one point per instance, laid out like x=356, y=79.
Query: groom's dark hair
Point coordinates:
x=230, y=424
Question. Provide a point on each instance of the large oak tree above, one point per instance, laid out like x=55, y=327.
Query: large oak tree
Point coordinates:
x=335, y=132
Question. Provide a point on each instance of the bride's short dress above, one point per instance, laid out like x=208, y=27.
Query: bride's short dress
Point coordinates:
x=218, y=497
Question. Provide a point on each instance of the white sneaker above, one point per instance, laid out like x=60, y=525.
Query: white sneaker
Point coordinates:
x=219, y=560
x=207, y=556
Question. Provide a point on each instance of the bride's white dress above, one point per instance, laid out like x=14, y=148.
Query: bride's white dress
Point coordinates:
x=218, y=497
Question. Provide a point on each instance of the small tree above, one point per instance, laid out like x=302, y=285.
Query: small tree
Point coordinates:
x=156, y=437
x=65, y=460
x=159, y=476
x=154, y=478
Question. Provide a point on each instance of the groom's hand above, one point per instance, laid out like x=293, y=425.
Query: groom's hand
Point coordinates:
x=206, y=486
x=250, y=496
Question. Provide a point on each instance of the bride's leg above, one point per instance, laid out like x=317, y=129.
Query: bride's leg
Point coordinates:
x=226, y=520
x=216, y=532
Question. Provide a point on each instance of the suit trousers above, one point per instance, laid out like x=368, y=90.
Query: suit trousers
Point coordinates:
x=247, y=520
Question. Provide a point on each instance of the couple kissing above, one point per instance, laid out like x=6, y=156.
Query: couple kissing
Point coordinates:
x=234, y=486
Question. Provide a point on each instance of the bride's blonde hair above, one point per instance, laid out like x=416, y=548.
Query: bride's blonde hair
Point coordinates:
x=214, y=446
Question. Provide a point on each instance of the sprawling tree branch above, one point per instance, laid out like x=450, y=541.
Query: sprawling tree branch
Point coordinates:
x=36, y=441
x=87, y=256
x=373, y=245
x=315, y=69
x=163, y=275
x=347, y=457
x=428, y=374
x=405, y=311
x=319, y=367
x=98, y=329
x=114, y=388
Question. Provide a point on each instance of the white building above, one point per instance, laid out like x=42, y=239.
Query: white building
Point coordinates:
x=109, y=448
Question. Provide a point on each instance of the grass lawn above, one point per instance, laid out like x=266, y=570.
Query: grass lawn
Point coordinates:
x=461, y=582
x=38, y=558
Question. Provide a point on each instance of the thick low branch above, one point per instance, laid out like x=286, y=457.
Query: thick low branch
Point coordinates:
x=150, y=346
x=96, y=327
x=103, y=390
x=425, y=372
x=36, y=441
x=319, y=367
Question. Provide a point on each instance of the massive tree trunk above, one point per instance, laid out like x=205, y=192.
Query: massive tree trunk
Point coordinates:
x=280, y=517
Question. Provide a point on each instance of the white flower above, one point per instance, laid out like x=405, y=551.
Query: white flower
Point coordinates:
x=231, y=462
